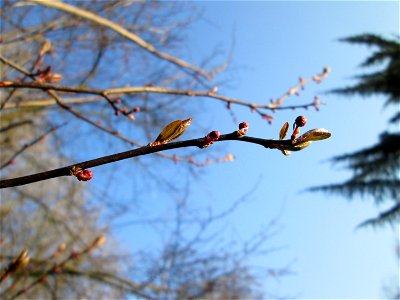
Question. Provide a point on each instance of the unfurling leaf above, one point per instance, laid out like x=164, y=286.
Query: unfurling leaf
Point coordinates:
x=316, y=134
x=284, y=131
x=171, y=132
x=286, y=149
x=46, y=47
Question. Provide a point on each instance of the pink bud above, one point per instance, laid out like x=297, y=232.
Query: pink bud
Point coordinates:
x=117, y=101
x=300, y=121
x=136, y=109
x=243, y=128
x=243, y=125
x=214, y=135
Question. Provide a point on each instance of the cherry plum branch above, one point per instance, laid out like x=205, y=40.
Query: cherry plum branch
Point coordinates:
x=289, y=145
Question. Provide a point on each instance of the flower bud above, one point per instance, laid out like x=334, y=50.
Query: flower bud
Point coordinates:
x=300, y=121
x=210, y=138
x=243, y=128
x=214, y=135
x=84, y=175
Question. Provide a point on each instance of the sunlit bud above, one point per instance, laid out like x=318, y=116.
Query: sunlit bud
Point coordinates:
x=60, y=249
x=214, y=89
x=316, y=134
x=300, y=121
x=243, y=128
x=326, y=70
x=293, y=91
x=229, y=157
x=84, y=175
x=214, y=135
x=132, y=117
x=21, y=261
x=52, y=78
x=317, y=78
x=46, y=47
x=210, y=138
x=98, y=242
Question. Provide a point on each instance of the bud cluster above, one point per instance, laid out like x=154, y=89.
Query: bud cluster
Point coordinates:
x=124, y=110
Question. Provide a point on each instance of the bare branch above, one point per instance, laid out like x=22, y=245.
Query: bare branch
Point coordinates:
x=200, y=142
x=123, y=32
x=148, y=90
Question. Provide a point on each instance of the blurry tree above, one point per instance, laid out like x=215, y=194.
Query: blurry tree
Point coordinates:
x=376, y=168
x=120, y=87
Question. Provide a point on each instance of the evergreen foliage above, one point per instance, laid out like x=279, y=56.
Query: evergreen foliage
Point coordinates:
x=376, y=168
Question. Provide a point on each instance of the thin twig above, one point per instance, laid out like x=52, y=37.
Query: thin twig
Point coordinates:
x=69, y=109
x=123, y=32
x=148, y=90
x=30, y=144
x=16, y=124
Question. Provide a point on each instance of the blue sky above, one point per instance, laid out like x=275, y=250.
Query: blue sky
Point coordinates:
x=275, y=43
x=315, y=234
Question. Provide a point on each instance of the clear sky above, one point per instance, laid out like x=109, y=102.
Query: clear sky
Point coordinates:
x=316, y=235
x=275, y=43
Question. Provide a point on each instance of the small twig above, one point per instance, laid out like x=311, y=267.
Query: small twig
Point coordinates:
x=63, y=104
x=51, y=102
x=14, y=125
x=66, y=171
x=30, y=144
x=56, y=268
x=123, y=32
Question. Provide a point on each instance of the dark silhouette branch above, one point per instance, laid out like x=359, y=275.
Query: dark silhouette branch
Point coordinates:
x=200, y=142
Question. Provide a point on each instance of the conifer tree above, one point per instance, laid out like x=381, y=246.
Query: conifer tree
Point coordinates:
x=376, y=168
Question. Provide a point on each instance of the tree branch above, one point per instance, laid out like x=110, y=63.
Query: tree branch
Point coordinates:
x=123, y=32
x=66, y=171
x=146, y=89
